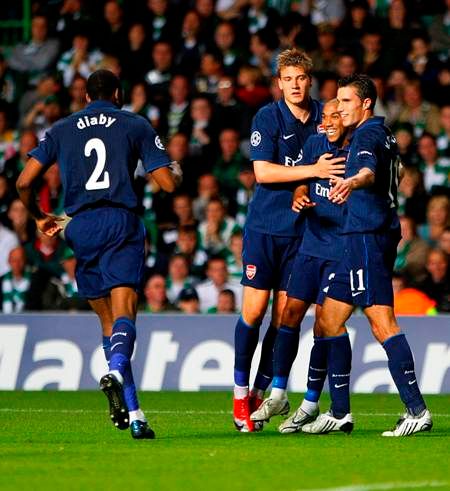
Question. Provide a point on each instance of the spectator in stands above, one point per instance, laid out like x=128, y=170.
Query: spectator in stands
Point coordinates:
x=50, y=194
x=346, y=65
x=227, y=166
x=372, y=59
x=435, y=169
x=6, y=198
x=245, y=192
x=175, y=114
x=160, y=21
x=216, y=230
x=409, y=300
x=71, y=18
x=224, y=38
x=328, y=88
x=139, y=104
x=178, y=150
x=155, y=294
x=113, y=34
x=325, y=57
x=258, y=15
x=437, y=283
x=79, y=60
x=443, y=139
x=208, y=19
x=159, y=77
x=439, y=33
x=8, y=242
x=404, y=134
x=188, y=52
x=217, y=280
x=444, y=241
x=211, y=69
x=34, y=58
x=251, y=90
x=356, y=23
x=422, y=114
x=395, y=89
x=15, y=285
x=178, y=277
x=43, y=115
x=9, y=138
x=77, y=94
x=330, y=12
x=412, y=251
x=136, y=62
x=226, y=303
x=21, y=224
x=188, y=245
x=188, y=301
x=234, y=256
x=8, y=85
x=14, y=165
x=438, y=216
x=264, y=49
x=412, y=196
x=207, y=189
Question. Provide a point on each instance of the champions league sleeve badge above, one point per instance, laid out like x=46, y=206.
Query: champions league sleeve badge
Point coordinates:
x=255, y=139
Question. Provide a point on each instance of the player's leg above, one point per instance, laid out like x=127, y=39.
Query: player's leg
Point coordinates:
x=401, y=365
x=246, y=336
x=331, y=323
x=102, y=307
x=284, y=354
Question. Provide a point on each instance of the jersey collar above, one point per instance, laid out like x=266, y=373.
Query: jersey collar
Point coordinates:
x=101, y=105
x=373, y=121
x=291, y=119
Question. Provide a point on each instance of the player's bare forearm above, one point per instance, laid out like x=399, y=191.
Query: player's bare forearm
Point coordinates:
x=342, y=188
x=25, y=187
x=268, y=172
x=165, y=179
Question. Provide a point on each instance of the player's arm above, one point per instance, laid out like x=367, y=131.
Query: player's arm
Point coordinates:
x=325, y=168
x=342, y=188
x=168, y=178
x=25, y=186
x=300, y=199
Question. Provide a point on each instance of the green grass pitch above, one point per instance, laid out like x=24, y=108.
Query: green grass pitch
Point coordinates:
x=64, y=441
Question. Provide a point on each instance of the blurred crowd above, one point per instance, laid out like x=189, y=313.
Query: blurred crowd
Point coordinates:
x=199, y=70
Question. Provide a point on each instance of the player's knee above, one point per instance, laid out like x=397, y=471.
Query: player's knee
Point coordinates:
x=252, y=315
x=383, y=331
x=317, y=329
x=292, y=315
x=327, y=327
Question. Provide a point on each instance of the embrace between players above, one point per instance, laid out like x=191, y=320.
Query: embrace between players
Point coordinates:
x=345, y=251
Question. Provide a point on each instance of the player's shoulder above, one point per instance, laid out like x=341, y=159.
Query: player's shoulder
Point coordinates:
x=267, y=112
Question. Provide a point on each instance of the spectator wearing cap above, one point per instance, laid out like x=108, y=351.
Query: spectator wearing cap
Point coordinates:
x=217, y=280
x=155, y=294
x=178, y=277
x=15, y=284
x=79, y=60
x=226, y=303
x=34, y=58
x=188, y=301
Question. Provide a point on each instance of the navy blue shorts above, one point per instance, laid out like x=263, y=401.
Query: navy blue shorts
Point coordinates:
x=310, y=278
x=109, y=247
x=364, y=276
x=267, y=260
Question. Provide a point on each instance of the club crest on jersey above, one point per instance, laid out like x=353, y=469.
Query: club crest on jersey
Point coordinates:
x=159, y=143
x=250, y=271
x=320, y=128
x=255, y=139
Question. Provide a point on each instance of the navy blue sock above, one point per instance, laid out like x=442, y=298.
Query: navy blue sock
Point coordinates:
x=339, y=366
x=129, y=390
x=265, y=368
x=245, y=341
x=106, y=342
x=317, y=371
x=284, y=353
x=401, y=366
x=122, y=344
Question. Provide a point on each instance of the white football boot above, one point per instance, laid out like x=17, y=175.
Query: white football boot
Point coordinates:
x=270, y=407
x=409, y=424
x=297, y=420
x=326, y=422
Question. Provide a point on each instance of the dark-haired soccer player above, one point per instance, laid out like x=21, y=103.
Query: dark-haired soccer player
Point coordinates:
x=97, y=150
x=315, y=263
x=364, y=276
x=272, y=229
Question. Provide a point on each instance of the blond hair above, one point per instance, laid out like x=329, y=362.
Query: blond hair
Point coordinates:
x=294, y=57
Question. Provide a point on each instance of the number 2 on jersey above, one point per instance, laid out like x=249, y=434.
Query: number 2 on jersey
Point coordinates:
x=94, y=182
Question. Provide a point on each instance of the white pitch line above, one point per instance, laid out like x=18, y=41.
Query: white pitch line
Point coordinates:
x=386, y=486
x=155, y=411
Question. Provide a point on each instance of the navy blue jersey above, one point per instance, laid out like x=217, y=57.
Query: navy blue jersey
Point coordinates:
x=278, y=137
x=97, y=150
x=373, y=209
x=325, y=222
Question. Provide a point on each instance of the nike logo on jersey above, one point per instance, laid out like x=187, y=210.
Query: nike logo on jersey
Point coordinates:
x=286, y=137
x=354, y=294
x=338, y=386
x=313, y=379
x=412, y=382
x=103, y=120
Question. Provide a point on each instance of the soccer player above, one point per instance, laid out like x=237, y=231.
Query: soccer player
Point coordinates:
x=315, y=263
x=97, y=150
x=364, y=276
x=272, y=230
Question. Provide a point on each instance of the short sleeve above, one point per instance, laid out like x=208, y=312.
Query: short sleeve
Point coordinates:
x=151, y=149
x=263, y=139
x=362, y=152
x=46, y=151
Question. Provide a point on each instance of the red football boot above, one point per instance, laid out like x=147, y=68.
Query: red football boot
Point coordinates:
x=241, y=415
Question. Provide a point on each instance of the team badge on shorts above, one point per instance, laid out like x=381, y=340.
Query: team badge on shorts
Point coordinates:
x=250, y=271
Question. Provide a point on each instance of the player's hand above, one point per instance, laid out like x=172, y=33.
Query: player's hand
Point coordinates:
x=341, y=190
x=301, y=202
x=49, y=225
x=327, y=166
x=176, y=171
